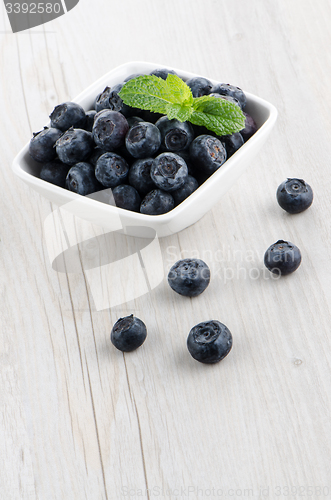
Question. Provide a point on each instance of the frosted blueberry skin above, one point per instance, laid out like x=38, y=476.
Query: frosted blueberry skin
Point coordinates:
x=189, y=277
x=183, y=192
x=250, y=127
x=126, y=197
x=74, y=145
x=169, y=171
x=207, y=154
x=163, y=73
x=230, y=90
x=128, y=333
x=175, y=135
x=157, y=202
x=282, y=258
x=66, y=115
x=111, y=170
x=109, y=130
x=199, y=86
x=41, y=147
x=143, y=140
x=55, y=172
x=81, y=179
x=140, y=176
x=209, y=341
x=294, y=195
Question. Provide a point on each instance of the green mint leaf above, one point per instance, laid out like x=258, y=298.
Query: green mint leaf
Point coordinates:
x=181, y=92
x=218, y=115
x=147, y=92
x=181, y=113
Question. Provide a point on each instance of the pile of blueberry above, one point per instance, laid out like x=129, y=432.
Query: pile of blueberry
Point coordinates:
x=150, y=163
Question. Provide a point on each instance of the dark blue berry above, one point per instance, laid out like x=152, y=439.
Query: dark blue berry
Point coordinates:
x=81, y=179
x=230, y=90
x=66, y=115
x=282, y=258
x=157, y=202
x=55, y=172
x=209, y=342
x=189, y=277
x=109, y=130
x=175, y=135
x=127, y=197
x=95, y=155
x=89, y=122
x=74, y=146
x=207, y=153
x=232, y=143
x=250, y=127
x=134, y=120
x=294, y=195
x=169, y=171
x=227, y=98
x=163, y=73
x=109, y=99
x=199, y=86
x=140, y=176
x=128, y=333
x=143, y=140
x=183, y=192
x=111, y=169
x=42, y=144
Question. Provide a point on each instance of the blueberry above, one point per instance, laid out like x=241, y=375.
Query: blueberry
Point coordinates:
x=187, y=158
x=81, y=179
x=109, y=99
x=89, y=121
x=111, y=170
x=66, y=115
x=163, y=73
x=134, y=120
x=189, y=277
x=227, y=98
x=169, y=171
x=95, y=155
x=109, y=130
x=175, y=135
x=143, y=140
x=207, y=153
x=128, y=333
x=140, y=176
x=54, y=172
x=183, y=192
x=127, y=197
x=282, y=258
x=209, y=342
x=74, y=146
x=157, y=202
x=232, y=143
x=230, y=90
x=294, y=195
x=250, y=127
x=199, y=86
x=41, y=147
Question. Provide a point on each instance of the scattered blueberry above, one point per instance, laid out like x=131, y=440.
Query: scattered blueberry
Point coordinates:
x=41, y=147
x=294, y=195
x=207, y=153
x=55, y=172
x=157, y=202
x=81, y=179
x=109, y=130
x=140, y=176
x=111, y=170
x=230, y=90
x=282, y=258
x=163, y=73
x=66, y=115
x=232, y=143
x=199, y=86
x=209, y=342
x=169, y=171
x=128, y=333
x=183, y=192
x=127, y=197
x=175, y=135
x=143, y=140
x=74, y=146
x=250, y=127
x=189, y=277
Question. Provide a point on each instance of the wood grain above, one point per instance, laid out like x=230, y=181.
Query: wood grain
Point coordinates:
x=80, y=420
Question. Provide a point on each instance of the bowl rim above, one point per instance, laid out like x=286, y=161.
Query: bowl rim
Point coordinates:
x=144, y=219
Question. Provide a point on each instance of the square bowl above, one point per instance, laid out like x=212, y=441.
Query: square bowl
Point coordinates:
x=186, y=213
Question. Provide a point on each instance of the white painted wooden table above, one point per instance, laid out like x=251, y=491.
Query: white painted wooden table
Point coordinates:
x=78, y=419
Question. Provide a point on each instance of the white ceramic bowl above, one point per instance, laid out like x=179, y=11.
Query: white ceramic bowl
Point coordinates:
x=182, y=216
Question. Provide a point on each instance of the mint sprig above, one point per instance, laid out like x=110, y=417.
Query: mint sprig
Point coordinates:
x=172, y=97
